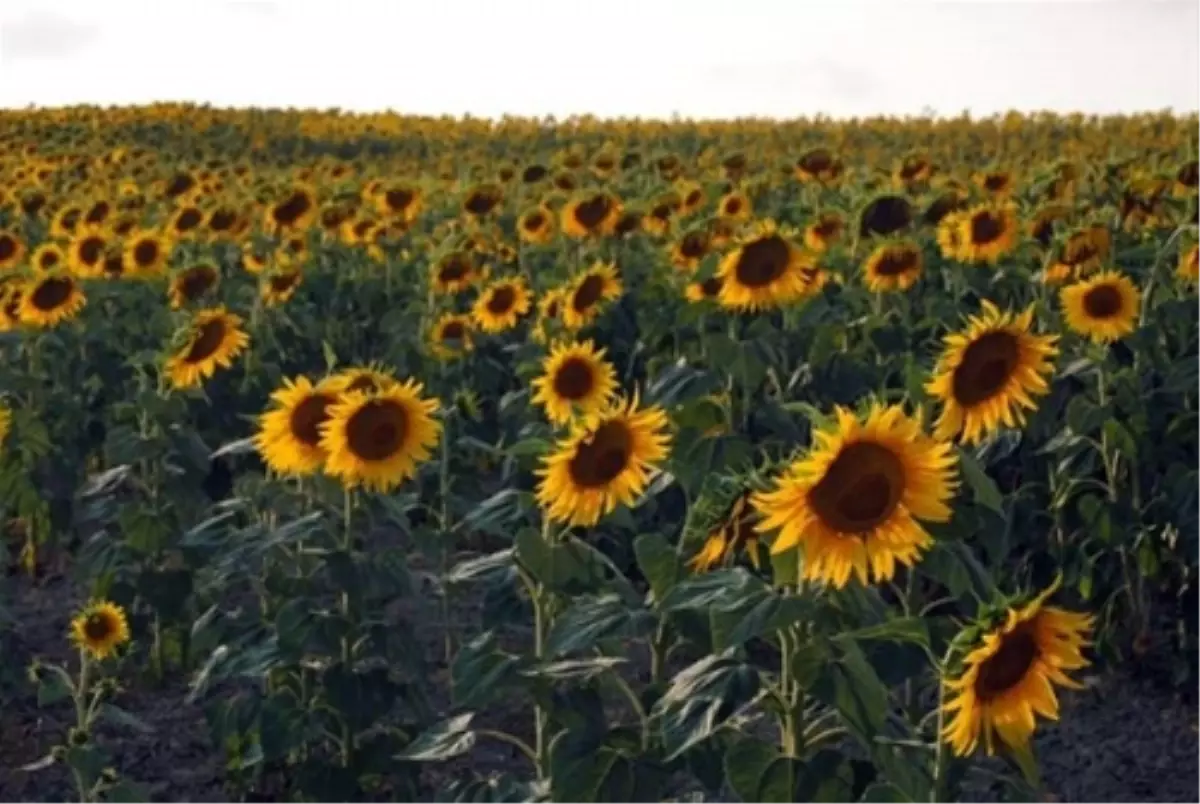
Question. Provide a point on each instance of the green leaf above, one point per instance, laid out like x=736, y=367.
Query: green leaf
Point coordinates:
x=701, y=698
x=127, y=792
x=587, y=622
x=450, y=738
x=481, y=672
x=984, y=488
x=126, y=720
x=574, y=669
x=1121, y=439
x=747, y=765
x=51, y=688
x=659, y=563
x=899, y=629
x=857, y=692
x=496, y=513
x=482, y=568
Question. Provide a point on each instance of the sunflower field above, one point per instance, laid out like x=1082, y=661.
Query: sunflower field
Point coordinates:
x=586, y=460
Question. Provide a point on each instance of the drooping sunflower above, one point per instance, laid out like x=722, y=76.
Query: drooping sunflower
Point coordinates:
x=690, y=249
x=764, y=270
x=501, y=304
x=289, y=433
x=602, y=463
x=276, y=287
x=885, y=215
x=1103, y=308
x=536, y=225
x=377, y=440
x=629, y=223
x=708, y=290
x=989, y=374
x=893, y=266
x=212, y=340
x=726, y=521
x=50, y=299
x=455, y=272
x=1187, y=178
x=591, y=215
x=1041, y=228
x=1189, y=265
x=660, y=216
x=293, y=212
x=576, y=381
x=192, y=283
x=984, y=233
x=735, y=206
x=912, y=169
x=450, y=336
x=49, y=257
x=12, y=250
x=98, y=213
x=826, y=230
x=146, y=253
x=99, y=629
x=854, y=504
x=586, y=295
x=1007, y=678
x=1084, y=251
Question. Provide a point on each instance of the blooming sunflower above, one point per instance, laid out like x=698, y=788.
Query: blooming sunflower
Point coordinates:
x=764, y=270
x=12, y=250
x=455, y=272
x=278, y=286
x=584, y=297
x=400, y=202
x=1007, y=679
x=735, y=206
x=501, y=305
x=451, y=335
x=708, y=290
x=818, y=165
x=988, y=374
x=12, y=289
x=1103, y=308
x=51, y=299
x=826, y=230
x=996, y=182
x=192, y=283
x=482, y=200
x=293, y=212
x=146, y=253
x=186, y=221
x=593, y=215
x=536, y=225
x=550, y=308
x=86, y=251
x=576, y=381
x=602, y=463
x=377, y=440
x=213, y=339
x=691, y=198
x=690, y=249
x=100, y=629
x=49, y=256
x=983, y=233
x=1084, y=251
x=854, y=504
x=893, y=266
x=289, y=434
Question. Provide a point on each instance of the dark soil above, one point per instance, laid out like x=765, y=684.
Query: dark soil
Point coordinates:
x=1121, y=739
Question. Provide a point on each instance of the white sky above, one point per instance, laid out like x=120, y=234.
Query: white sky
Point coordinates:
x=698, y=58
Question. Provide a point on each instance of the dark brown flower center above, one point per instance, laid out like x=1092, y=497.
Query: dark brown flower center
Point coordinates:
x=534, y=221
x=91, y=250
x=733, y=206
x=588, y=293
x=453, y=331
x=885, y=215
x=455, y=268
x=377, y=430
x=896, y=262
x=292, y=209
x=987, y=364
x=307, y=418
x=995, y=181
x=599, y=459
x=816, y=160
x=986, y=228
x=188, y=219
x=1103, y=301
x=694, y=245
x=50, y=258
x=222, y=220
x=206, y=342
x=180, y=183
x=98, y=627
x=398, y=200
x=1189, y=174
x=501, y=300
x=1008, y=666
x=860, y=489
x=592, y=212
x=711, y=287
x=8, y=247
x=533, y=174
x=145, y=253
x=281, y=283
x=628, y=223
x=574, y=379
x=763, y=261
x=196, y=281
x=99, y=212
x=481, y=202
x=50, y=294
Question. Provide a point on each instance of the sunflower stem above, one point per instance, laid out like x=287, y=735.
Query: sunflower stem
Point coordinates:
x=444, y=542
x=347, y=741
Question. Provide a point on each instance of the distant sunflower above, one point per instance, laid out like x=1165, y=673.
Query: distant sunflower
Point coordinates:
x=293, y=212
x=400, y=201
x=532, y=174
x=98, y=213
x=885, y=215
x=989, y=374
x=214, y=338
x=913, y=168
x=603, y=462
x=576, y=381
x=1084, y=252
x=1103, y=308
x=893, y=266
x=192, y=283
x=708, y=290
x=1041, y=228
x=1007, y=679
x=826, y=230
x=818, y=165
x=690, y=249
x=629, y=223
x=289, y=433
x=659, y=218
x=222, y=221
x=691, y=198
x=501, y=305
x=62, y=226
x=372, y=379
x=85, y=252
x=985, y=233
x=550, y=308
x=11, y=293
x=854, y=504
x=1187, y=178
x=588, y=292
x=536, y=225
x=763, y=271
x=186, y=221
x=51, y=299
x=482, y=200
x=729, y=527
x=254, y=262
x=593, y=215
x=996, y=183
x=378, y=440
x=279, y=286
x=100, y=629
x=12, y=250
x=1189, y=265
x=147, y=253
x=50, y=257
x=455, y=272
x=451, y=336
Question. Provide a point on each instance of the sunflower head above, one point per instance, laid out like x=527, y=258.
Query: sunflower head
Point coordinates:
x=892, y=266
x=501, y=305
x=50, y=256
x=191, y=284
x=587, y=293
x=147, y=253
x=12, y=250
x=1103, y=308
x=278, y=286
x=294, y=211
x=482, y=200
x=289, y=434
x=818, y=165
x=691, y=248
x=456, y=271
x=212, y=340
x=50, y=299
x=99, y=629
x=591, y=215
x=826, y=230
x=885, y=215
x=576, y=381
x=536, y=225
x=982, y=234
x=370, y=379
x=722, y=522
x=765, y=270
x=450, y=336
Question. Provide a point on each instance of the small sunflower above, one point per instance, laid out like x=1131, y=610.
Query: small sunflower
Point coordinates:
x=824, y=232
x=451, y=336
x=12, y=250
x=146, y=253
x=593, y=215
x=62, y=227
x=293, y=212
x=708, y=290
x=996, y=183
x=400, y=201
x=913, y=169
x=629, y=223
x=377, y=440
x=51, y=299
x=85, y=252
x=536, y=225
x=1187, y=178
x=885, y=215
x=100, y=629
x=1007, y=679
x=818, y=165
x=501, y=305
x=576, y=381
x=191, y=284
x=893, y=266
x=988, y=374
x=1084, y=251
x=12, y=290
x=659, y=218
x=550, y=308
x=186, y=221
x=602, y=463
x=983, y=233
x=735, y=206
x=277, y=287
x=691, y=198
x=690, y=249
x=587, y=293
x=854, y=504
x=371, y=379
x=213, y=339
x=1103, y=308
x=455, y=272
x=1041, y=228
x=289, y=433
x=764, y=270
x=482, y=200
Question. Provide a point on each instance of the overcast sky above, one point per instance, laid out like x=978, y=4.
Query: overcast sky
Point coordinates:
x=698, y=58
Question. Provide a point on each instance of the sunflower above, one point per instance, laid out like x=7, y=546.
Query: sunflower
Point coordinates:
x=1083, y=252
x=826, y=230
x=11, y=293
x=988, y=374
x=98, y=213
x=764, y=270
x=100, y=629
x=584, y=297
x=592, y=215
x=532, y=174
x=912, y=169
x=629, y=223
x=996, y=183
x=278, y=286
x=48, y=257
x=85, y=252
x=983, y=233
x=536, y=225
x=854, y=504
x=576, y=381
x=818, y=165
x=213, y=339
x=708, y=290
x=51, y=299
x=294, y=212
x=501, y=305
x=894, y=265
x=690, y=249
x=289, y=433
x=1103, y=308
x=186, y=221
x=399, y=201
x=691, y=198
x=728, y=529
x=482, y=200
x=942, y=206
x=1007, y=679
x=62, y=226
x=146, y=253
x=377, y=440
x=451, y=336
x=1041, y=228
x=455, y=272
x=1189, y=265
x=550, y=308
x=12, y=250
x=1187, y=177
x=657, y=220
x=223, y=221
x=603, y=462
x=885, y=215
x=192, y=283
